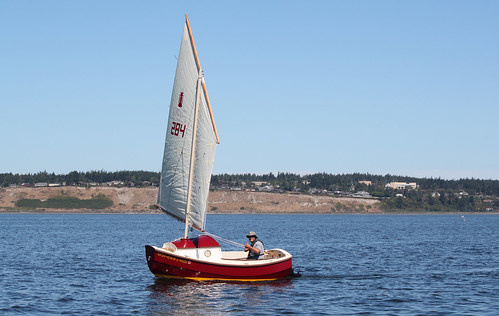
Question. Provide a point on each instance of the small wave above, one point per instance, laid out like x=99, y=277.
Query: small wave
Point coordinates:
x=344, y=276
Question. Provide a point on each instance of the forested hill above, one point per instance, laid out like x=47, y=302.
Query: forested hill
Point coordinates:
x=356, y=181
x=395, y=192
x=285, y=181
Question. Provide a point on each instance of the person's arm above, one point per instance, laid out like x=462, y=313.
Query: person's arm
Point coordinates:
x=253, y=249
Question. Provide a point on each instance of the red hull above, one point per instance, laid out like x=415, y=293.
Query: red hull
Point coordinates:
x=169, y=265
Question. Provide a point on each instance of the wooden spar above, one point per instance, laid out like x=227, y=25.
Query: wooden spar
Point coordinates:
x=192, y=41
x=164, y=210
x=198, y=63
x=211, y=112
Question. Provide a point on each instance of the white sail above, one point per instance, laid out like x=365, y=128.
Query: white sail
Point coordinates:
x=191, y=138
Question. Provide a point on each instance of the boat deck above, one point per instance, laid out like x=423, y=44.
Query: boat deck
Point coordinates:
x=228, y=257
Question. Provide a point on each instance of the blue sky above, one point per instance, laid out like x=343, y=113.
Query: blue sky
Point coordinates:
x=399, y=87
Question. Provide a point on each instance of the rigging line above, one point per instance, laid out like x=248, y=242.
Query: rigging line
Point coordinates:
x=233, y=243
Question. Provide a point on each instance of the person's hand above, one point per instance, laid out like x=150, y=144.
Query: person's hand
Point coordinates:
x=246, y=247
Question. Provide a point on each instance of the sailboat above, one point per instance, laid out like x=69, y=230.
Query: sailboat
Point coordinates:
x=189, y=154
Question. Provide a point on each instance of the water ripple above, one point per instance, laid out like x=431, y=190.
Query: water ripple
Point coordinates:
x=395, y=265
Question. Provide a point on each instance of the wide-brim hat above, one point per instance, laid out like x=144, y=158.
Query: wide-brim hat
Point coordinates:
x=251, y=234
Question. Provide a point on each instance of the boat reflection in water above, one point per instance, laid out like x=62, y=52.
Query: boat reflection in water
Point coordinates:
x=181, y=296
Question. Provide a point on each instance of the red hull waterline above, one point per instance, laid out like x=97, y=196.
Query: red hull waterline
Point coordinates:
x=176, y=264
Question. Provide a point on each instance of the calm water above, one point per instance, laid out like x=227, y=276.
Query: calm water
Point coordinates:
x=350, y=264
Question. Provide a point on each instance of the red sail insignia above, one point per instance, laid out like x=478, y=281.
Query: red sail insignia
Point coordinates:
x=180, y=99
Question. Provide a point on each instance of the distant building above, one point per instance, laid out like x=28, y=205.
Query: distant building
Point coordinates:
x=116, y=183
x=267, y=188
x=402, y=185
x=362, y=194
x=366, y=182
x=259, y=183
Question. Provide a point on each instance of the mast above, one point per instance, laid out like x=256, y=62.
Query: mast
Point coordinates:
x=193, y=154
x=189, y=212
x=195, y=127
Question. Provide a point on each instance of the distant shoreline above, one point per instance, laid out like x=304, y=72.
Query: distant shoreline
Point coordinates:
x=142, y=200
x=83, y=212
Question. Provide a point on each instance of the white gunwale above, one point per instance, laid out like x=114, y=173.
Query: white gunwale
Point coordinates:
x=231, y=261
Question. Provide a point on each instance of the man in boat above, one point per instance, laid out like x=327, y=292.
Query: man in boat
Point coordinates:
x=256, y=250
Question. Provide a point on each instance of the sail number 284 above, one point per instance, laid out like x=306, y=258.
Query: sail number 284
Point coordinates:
x=178, y=128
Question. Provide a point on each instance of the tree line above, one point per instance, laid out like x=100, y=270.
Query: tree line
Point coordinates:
x=351, y=182
x=127, y=178
x=285, y=181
